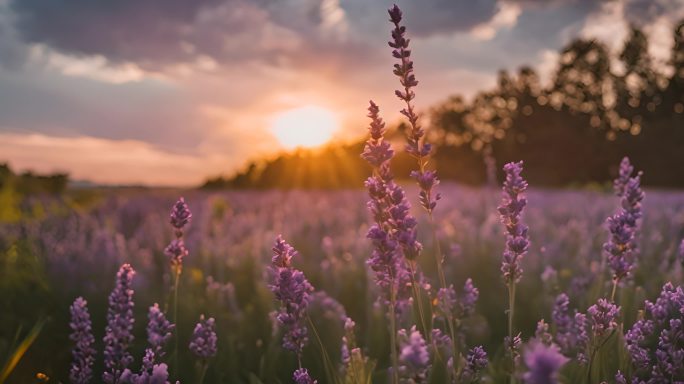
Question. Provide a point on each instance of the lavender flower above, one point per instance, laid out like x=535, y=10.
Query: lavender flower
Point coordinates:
x=180, y=216
x=517, y=240
x=377, y=151
x=476, y=362
x=512, y=345
x=655, y=341
x=394, y=230
x=157, y=374
x=541, y=333
x=624, y=173
x=158, y=330
x=294, y=293
x=469, y=298
x=82, y=335
x=571, y=330
x=416, y=146
x=176, y=251
x=603, y=317
x=348, y=342
x=681, y=252
x=460, y=307
x=118, y=333
x=402, y=223
x=620, y=378
x=621, y=245
x=442, y=341
x=203, y=340
x=543, y=363
x=414, y=358
x=301, y=376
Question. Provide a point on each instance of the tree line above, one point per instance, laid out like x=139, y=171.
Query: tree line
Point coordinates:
x=597, y=108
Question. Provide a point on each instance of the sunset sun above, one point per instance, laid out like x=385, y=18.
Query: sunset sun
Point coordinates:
x=304, y=127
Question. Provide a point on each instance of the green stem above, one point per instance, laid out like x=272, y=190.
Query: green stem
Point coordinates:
x=393, y=335
x=442, y=281
x=616, y=281
x=205, y=365
x=418, y=298
x=511, y=308
x=175, y=316
x=327, y=362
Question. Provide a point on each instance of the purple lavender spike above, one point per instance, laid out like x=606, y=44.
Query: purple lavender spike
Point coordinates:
x=416, y=146
x=180, y=214
x=476, y=362
x=517, y=239
x=294, y=293
x=82, y=335
x=158, y=330
x=414, y=358
x=621, y=247
x=394, y=230
x=203, y=340
x=655, y=341
x=571, y=330
x=541, y=333
x=301, y=376
x=603, y=316
x=118, y=333
x=543, y=363
x=624, y=173
x=156, y=374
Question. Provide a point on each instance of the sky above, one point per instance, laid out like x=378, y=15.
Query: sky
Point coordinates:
x=170, y=92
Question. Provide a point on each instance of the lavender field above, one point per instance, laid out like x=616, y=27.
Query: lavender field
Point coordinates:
x=419, y=254
x=76, y=251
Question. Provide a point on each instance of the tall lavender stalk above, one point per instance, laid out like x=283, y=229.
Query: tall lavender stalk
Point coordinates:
x=416, y=146
x=119, y=330
x=293, y=290
x=391, y=230
x=517, y=244
x=180, y=216
x=621, y=247
x=82, y=335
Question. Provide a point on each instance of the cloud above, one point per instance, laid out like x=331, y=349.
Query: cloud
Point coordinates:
x=505, y=17
x=95, y=67
x=103, y=161
x=154, y=34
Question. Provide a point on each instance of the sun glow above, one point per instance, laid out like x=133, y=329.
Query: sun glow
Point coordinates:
x=304, y=127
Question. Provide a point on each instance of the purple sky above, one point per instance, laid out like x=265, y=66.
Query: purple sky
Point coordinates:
x=172, y=91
